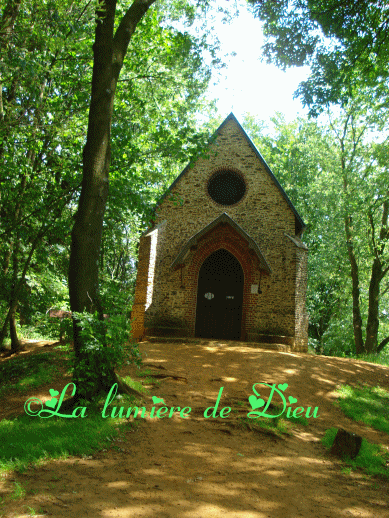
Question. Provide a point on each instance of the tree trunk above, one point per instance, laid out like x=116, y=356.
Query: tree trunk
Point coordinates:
x=14, y=253
x=87, y=230
x=357, y=318
x=15, y=342
x=7, y=259
x=16, y=288
x=3, y=332
x=108, y=54
x=382, y=344
x=372, y=325
x=7, y=23
x=377, y=274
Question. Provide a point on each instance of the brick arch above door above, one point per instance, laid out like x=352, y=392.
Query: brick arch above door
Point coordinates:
x=226, y=237
x=223, y=220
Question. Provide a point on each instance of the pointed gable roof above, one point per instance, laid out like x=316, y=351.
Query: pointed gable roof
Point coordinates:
x=300, y=225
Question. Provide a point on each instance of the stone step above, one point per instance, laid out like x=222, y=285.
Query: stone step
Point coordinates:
x=216, y=342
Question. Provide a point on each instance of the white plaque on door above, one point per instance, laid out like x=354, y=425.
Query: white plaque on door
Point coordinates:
x=254, y=288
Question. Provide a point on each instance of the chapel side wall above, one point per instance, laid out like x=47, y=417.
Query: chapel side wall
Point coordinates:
x=263, y=213
x=138, y=307
x=301, y=322
x=156, y=298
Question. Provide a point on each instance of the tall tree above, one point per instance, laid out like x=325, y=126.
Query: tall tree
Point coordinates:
x=337, y=175
x=46, y=75
x=38, y=109
x=115, y=28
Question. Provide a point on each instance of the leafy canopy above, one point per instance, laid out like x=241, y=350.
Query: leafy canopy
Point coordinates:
x=345, y=43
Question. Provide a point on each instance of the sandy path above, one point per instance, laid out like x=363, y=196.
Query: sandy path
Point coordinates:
x=203, y=468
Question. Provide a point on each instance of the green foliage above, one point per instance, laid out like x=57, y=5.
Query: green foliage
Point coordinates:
x=106, y=347
x=300, y=155
x=372, y=458
x=314, y=166
x=42, y=326
x=46, y=284
x=46, y=76
x=345, y=43
x=368, y=405
x=338, y=338
x=160, y=92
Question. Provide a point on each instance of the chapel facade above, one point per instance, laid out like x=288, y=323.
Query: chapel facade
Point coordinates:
x=224, y=258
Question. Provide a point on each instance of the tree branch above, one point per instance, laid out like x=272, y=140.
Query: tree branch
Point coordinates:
x=124, y=33
x=382, y=344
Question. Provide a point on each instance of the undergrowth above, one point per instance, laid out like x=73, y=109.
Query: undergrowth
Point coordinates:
x=382, y=358
x=27, y=441
x=28, y=372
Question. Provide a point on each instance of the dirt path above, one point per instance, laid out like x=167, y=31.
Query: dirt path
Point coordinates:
x=206, y=468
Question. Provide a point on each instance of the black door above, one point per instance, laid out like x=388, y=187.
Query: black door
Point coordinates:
x=220, y=297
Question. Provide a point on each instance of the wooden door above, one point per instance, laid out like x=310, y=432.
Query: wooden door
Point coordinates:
x=220, y=297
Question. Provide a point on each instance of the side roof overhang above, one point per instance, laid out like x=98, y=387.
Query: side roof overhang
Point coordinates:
x=300, y=225
x=224, y=218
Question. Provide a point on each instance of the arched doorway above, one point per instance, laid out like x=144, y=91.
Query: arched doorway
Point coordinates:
x=220, y=297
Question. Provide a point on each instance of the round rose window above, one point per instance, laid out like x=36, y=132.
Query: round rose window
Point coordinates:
x=226, y=187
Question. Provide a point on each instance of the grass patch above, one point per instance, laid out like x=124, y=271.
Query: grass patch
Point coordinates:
x=152, y=381
x=134, y=384
x=369, y=405
x=66, y=347
x=18, y=492
x=382, y=358
x=145, y=373
x=33, y=512
x=28, y=441
x=372, y=458
x=148, y=378
x=28, y=372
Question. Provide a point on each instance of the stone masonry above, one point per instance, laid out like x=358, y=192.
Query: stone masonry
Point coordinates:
x=262, y=230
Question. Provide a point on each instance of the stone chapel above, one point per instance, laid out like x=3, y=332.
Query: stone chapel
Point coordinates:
x=224, y=258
